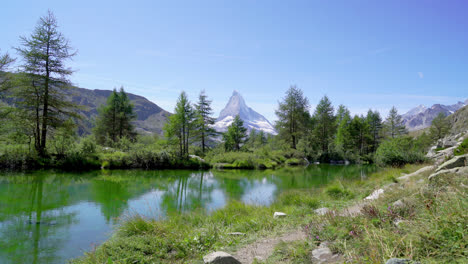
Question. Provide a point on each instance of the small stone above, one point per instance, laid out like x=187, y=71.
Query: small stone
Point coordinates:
x=323, y=254
x=279, y=215
x=322, y=211
x=375, y=195
x=220, y=257
x=398, y=204
x=401, y=261
x=236, y=234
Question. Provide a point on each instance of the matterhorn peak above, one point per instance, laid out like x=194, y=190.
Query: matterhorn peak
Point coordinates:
x=237, y=106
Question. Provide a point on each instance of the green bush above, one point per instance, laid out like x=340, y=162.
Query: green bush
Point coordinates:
x=337, y=191
x=398, y=152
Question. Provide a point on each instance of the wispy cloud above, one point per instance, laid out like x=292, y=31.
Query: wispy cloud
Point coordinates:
x=421, y=75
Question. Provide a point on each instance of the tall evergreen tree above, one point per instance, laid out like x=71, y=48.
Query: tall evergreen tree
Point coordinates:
x=440, y=127
x=180, y=124
x=394, y=125
x=205, y=120
x=293, y=116
x=343, y=118
x=375, y=127
x=5, y=76
x=115, y=119
x=44, y=54
x=358, y=134
x=235, y=135
x=325, y=124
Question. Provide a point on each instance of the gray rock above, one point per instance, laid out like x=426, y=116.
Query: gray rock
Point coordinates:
x=431, y=152
x=455, y=162
x=375, y=195
x=279, y=215
x=197, y=158
x=236, y=234
x=398, y=204
x=220, y=257
x=460, y=170
x=449, y=142
x=323, y=254
x=322, y=211
x=416, y=173
x=401, y=261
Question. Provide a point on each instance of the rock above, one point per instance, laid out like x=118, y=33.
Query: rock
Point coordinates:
x=460, y=170
x=398, y=222
x=375, y=195
x=455, y=162
x=220, y=257
x=398, y=204
x=323, y=254
x=420, y=171
x=197, y=158
x=236, y=234
x=431, y=152
x=316, y=163
x=401, y=261
x=449, y=142
x=279, y=215
x=322, y=211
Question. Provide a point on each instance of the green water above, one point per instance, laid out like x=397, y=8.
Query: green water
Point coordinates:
x=49, y=217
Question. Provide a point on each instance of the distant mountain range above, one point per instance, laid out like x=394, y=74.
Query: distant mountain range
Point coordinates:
x=150, y=117
x=421, y=117
x=252, y=120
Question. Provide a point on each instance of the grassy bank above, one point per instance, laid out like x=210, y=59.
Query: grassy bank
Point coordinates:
x=187, y=237
x=429, y=224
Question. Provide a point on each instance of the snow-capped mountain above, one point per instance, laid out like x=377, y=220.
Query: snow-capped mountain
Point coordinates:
x=252, y=119
x=421, y=117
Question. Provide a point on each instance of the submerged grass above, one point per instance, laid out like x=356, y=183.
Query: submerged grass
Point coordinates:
x=182, y=238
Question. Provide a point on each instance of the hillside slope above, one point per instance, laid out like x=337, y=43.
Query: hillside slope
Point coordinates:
x=459, y=121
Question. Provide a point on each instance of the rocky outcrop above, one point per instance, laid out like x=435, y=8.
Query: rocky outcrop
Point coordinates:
x=455, y=162
x=220, y=257
x=459, y=170
x=418, y=172
x=375, y=195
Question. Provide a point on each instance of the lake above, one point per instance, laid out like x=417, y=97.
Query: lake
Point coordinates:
x=49, y=217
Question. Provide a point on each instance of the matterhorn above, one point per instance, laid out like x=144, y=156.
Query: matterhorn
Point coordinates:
x=252, y=120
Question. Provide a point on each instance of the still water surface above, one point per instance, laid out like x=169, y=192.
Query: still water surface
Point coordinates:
x=49, y=217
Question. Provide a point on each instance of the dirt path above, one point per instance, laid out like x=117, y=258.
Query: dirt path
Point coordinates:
x=262, y=249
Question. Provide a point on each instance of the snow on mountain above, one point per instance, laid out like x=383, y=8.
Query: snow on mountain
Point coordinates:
x=421, y=117
x=252, y=119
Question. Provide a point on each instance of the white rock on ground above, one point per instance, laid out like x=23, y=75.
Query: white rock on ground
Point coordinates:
x=375, y=195
x=322, y=211
x=422, y=170
x=279, y=215
x=220, y=257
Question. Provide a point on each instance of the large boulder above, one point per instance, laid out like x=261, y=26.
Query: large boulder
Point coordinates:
x=455, y=162
x=220, y=257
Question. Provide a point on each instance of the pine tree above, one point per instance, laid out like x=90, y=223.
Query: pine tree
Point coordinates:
x=205, y=121
x=44, y=54
x=394, y=125
x=325, y=124
x=180, y=125
x=293, y=116
x=5, y=77
x=235, y=135
x=115, y=118
x=343, y=118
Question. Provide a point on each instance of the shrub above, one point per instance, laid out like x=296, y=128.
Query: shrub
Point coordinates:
x=397, y=152
x=462, y=149
x=337, y=191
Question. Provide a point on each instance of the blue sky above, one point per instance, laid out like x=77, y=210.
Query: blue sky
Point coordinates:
x=364, y=54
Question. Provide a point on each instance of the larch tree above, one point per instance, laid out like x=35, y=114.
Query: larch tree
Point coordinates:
x=293, y=115
x=205, y=120
x=180, y=125
x=44, y=55
x=375, y=127
x=325, y=124
x=235, y=135
x=115, y=118
x=394, y=126
x=440, y=126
